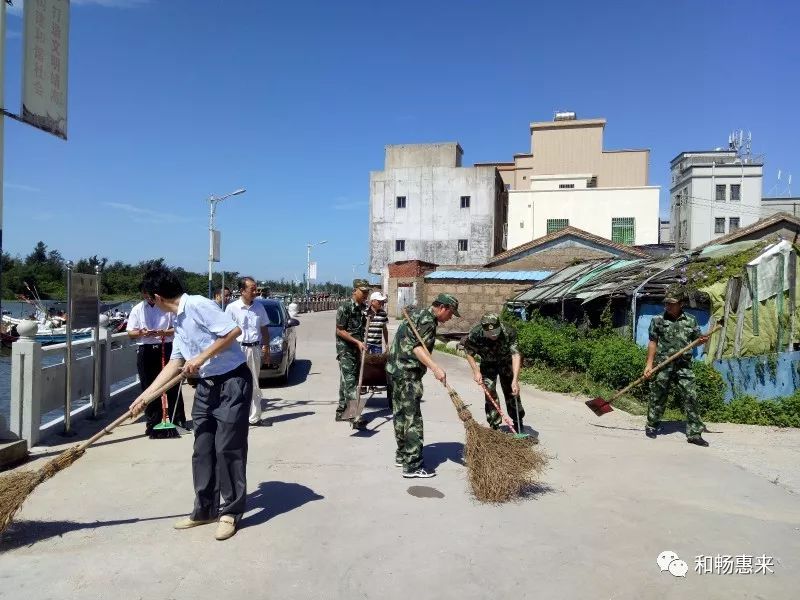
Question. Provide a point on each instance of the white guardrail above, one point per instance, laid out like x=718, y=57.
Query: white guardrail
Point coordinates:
x=38, y=382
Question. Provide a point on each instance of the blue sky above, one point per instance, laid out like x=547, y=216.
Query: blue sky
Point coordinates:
x=172, y=100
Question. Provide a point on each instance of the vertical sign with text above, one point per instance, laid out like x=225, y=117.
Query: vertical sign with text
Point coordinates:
x=44, y=68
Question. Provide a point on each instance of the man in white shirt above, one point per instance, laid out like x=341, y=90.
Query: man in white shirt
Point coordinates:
x=152, y=328
x=205, y=347
x=252, y=319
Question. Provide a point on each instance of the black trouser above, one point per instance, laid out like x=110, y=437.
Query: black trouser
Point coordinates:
x=220, y=412
x=148, y=364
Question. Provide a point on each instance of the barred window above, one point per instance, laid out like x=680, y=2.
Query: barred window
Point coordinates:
x=556, y=224
x=623, y=230
x=399, y=245
x=733, y=224
x=736, y=192
x=720, y=192
x=719, y=225
x=463, y=245
x=464, y=201
x=401, y=202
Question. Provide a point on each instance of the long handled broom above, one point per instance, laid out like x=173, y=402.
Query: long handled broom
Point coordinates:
x=601, y=406
x=165, y=429
x=16, y=486
x=500, y=467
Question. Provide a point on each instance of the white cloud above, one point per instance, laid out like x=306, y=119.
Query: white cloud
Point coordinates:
x=145, y=215
x=20, y=186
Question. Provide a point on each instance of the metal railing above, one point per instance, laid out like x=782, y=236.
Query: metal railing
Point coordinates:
x=38, y=382
x=311, y=304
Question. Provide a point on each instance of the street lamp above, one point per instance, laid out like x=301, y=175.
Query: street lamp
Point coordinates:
x=361, y=264
x=212, y=209
x=309, y=245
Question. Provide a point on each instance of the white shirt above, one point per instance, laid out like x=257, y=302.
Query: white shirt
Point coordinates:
x=250, y=318
x=144, y=316
x=199, y=323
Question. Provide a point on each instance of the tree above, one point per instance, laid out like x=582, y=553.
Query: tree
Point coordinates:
x=38, y=256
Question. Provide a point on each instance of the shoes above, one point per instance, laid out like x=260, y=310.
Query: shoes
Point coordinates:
x=339, y=417
x=188, y=523
x=255, y=424
x=226, y=527
x=420, y=473
x=360, y=423
x=697, y=441
x=650, y=432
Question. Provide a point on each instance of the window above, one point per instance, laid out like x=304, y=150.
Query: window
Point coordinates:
x=556, y=224
x=736, y=192
x=399, y=245
x=720, y=193
x=623, y=230
x=464, y=201
x=463, y=245
x=733, y=223
x=566, y=186
x=719, y=225
x=401, y=202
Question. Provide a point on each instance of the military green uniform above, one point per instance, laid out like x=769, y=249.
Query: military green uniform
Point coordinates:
x=350, y=318
x=405, y=375
x=495, y=356
x=670, y=336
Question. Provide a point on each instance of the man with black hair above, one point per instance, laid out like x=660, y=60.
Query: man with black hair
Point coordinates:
x=205, y=347
x=152, y=329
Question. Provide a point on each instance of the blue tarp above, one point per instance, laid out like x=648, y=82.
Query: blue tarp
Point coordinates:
x=647, y=311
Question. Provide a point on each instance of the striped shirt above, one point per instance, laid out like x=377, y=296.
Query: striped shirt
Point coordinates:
x=377, y=322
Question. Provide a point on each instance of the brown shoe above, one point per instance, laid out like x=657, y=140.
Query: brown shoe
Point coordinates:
x=226, y=527
x=188, y=523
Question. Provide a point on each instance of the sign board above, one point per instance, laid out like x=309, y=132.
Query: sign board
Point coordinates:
x=44, y=65
x=213, y=245
x=312, y=271
x=83, y=311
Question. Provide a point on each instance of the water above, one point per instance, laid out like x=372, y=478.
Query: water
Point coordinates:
x=23, y=309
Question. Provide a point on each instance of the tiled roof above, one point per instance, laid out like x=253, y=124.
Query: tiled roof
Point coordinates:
x=487, y=274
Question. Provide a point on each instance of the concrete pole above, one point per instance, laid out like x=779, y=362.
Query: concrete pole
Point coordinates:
x=2, y=128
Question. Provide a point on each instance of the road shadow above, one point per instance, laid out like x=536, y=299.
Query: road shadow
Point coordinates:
x=269, y=421
x=438, y=453
x=536, y=490
x=618, y=428
x=27, y=533
x=273, y=498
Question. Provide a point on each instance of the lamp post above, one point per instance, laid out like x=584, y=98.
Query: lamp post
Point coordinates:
x=212, y=209
x=361, y=264
x=309, y=245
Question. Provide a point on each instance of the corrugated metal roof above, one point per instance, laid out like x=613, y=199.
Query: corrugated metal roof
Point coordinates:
x=497, y=275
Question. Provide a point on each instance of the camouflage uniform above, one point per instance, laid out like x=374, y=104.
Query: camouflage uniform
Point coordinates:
x=350, y=318
x=670, y=336
x=405, y=374
x=495, y=357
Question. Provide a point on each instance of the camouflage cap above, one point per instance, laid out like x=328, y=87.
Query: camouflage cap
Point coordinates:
x=490, y=322
x=448, y=300
x=674, y=296
x=361, y=284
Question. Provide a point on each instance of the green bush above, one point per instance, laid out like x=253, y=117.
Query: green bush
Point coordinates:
x=616, y=361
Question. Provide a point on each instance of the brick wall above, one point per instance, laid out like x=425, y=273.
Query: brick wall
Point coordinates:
x=475, y=298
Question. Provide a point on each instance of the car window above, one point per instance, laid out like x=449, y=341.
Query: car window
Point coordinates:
x=274, y=313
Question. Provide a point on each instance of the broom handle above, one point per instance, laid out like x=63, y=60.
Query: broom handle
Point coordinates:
x=506, y=419
x=664, y=363
x=450, y=390
x=111, y=426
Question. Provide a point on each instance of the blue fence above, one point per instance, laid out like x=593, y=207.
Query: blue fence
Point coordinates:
x=764, y=377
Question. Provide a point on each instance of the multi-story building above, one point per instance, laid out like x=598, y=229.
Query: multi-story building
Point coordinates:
x=568, y=179
x=776, y=204
x=425, y=206
x=713, y=193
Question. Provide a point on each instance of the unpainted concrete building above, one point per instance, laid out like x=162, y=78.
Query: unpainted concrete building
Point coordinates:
x=425, y=206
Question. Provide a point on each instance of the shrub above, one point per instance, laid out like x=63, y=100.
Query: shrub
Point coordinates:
x=616, y=361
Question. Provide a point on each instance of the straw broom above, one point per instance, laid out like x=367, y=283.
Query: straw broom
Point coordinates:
x=500, y=466
x=16, y=486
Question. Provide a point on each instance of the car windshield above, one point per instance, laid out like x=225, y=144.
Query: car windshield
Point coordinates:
x=274, y=313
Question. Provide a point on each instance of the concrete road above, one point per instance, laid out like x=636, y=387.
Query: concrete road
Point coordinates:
x=331, y=517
